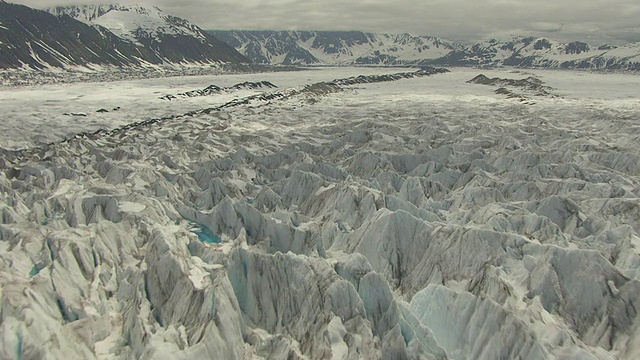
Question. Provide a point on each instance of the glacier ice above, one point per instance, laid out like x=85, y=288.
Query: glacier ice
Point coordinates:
x=377, y=222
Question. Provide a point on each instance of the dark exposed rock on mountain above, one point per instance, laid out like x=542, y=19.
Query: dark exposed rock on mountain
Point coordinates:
x=36, y=39
x=334, y=47
x=171, y=38
x=358, y=48
x=544, y=53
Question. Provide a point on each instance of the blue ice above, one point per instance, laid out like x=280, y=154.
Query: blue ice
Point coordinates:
x=204, y=233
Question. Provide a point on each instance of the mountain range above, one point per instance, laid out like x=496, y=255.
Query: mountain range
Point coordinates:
x=92, y=36
x=108, y=35
x=335, y=47
x=361, y=48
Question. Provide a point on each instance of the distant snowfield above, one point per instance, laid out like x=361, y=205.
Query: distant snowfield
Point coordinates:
x=36, y=115
x=422, y=218
x=44, y=114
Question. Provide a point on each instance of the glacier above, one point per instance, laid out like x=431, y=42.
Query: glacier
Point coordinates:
x=349, y=217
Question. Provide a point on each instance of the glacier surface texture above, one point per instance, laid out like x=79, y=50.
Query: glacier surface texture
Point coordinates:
x=411, y=216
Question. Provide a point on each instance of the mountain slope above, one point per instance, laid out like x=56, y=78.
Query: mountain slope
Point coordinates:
x=545, y=53
x=334, y=47
x=171, y=38
x=359, y=48
x=36, y=39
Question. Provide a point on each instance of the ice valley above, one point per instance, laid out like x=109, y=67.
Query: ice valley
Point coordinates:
x=419, y=217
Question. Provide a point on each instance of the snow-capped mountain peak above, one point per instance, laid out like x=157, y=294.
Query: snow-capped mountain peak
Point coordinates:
x=335, y=47
x=131, y=22
x=93, y=36
x=168, y=37
x=360, y=48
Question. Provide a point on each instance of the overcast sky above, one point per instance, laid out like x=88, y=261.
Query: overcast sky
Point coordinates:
x=596, y=21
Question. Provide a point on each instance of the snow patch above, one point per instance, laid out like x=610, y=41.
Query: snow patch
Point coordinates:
x=131, y=207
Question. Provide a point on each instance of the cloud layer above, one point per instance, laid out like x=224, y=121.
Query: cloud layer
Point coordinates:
x=597, y=21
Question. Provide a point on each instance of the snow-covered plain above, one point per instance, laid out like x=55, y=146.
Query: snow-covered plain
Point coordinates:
x=42, y=114
x=423, y=218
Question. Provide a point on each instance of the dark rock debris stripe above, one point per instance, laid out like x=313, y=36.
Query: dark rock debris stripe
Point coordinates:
x=322, y=88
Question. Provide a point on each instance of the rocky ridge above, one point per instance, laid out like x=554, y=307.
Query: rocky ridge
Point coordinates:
x=214, y=89
x=32, y=39
x=334, y=47
x=521, y=89
x=361, y=48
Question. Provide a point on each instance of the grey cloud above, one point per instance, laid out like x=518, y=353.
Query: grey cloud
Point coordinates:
x=462, y=20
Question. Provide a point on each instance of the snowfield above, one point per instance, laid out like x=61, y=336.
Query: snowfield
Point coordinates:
x=35, y=115
x=421, y=218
